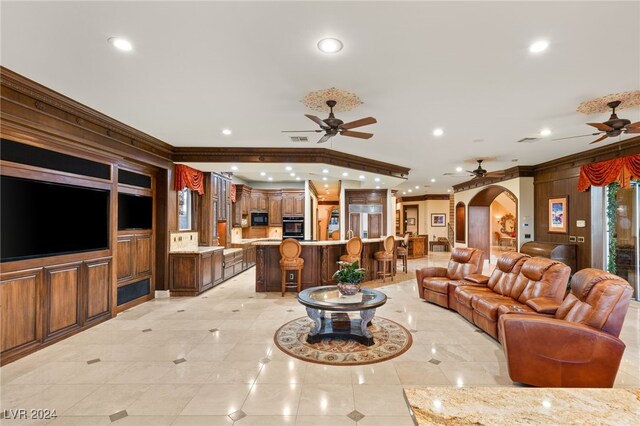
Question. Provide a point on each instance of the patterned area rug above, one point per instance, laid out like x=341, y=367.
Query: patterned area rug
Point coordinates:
x=391, y=339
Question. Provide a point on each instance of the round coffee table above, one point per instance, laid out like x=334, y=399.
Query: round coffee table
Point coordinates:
x=319, y=300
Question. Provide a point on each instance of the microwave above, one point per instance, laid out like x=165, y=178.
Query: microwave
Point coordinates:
x=259, y=219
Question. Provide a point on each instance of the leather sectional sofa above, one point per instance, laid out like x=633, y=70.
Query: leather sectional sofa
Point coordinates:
x=523, y=305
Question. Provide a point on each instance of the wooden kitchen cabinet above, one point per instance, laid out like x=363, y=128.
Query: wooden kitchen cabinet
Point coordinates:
x=192, y=273
x=275, y=211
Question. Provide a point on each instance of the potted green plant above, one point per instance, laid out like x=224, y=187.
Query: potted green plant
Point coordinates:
x=349, y=277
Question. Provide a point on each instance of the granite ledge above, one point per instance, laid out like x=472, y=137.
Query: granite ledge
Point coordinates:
x=322, y=243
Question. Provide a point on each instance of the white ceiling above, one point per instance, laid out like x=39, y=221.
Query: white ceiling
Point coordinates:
x=199, y=67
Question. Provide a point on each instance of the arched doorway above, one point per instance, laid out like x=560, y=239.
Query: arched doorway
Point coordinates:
x=479, y=233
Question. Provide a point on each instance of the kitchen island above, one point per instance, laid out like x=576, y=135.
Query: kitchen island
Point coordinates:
x=320, y=262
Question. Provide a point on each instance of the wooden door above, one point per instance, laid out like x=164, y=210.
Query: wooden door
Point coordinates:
x=20, y=311
x=124, y=257
x=298, y=206
x=275, y=211
x=254, y=202
x=217, y=266
x=375, y=225
x=287, y=205
x=263, y=203
x=354, y=223
x=479, y=232
x=63, y=299
x=97, y=288
x=143, y=255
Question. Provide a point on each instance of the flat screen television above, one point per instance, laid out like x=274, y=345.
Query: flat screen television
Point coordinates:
x=39, y=219
x=134, y=212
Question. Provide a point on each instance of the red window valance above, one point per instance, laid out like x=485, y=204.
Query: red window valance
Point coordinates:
x=186, y=177
x=621, y=170
x=232, y=193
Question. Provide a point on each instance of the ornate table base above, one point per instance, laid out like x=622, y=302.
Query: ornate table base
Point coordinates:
x=323, y=327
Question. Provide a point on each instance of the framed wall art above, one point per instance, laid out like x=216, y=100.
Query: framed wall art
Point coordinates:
x=559, y=215
x=438, y=219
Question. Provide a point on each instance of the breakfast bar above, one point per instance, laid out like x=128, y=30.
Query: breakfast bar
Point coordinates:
x=320, y=262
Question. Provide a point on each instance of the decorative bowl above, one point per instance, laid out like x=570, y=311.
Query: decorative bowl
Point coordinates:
x=348, y=289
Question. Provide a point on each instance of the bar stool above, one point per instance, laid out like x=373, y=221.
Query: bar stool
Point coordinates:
x=335, y=235
x=403, y=251
x=291, y=261
x=354, y=250
x=386, y=257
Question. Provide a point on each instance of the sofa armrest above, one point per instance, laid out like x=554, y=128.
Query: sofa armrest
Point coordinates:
x=544, y=305
x=477, y=278
x=557, y=353
x=431, y=271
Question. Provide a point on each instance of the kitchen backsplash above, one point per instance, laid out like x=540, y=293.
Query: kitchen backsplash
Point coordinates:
x=184, y=241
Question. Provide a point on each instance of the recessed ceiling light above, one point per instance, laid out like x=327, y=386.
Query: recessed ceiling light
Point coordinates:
x=538, y=46
x=234, y=168
x=263, y=173
x=298, y=178
x=345, y=174
x=377, y=179
x=226, y=132
x=448, y=190
x=433, y=180
x=409, y=190
x=545, y=132
x=378, y=187
x=458, y=169
x=361, y=176
x=324, y=178
x=404, y=193
x=330, y=45
x=326, y=185
x=292, y=174
x=438, y=132
x=288, y=168
x=269, y=178
x=325, y=171
x=120, y=43
x=417, y=187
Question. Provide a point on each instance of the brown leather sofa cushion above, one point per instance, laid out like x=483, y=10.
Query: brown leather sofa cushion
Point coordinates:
x=437, y=284
x=464, y=261
x=599, y=300
x=487, y=306
x=507, y=270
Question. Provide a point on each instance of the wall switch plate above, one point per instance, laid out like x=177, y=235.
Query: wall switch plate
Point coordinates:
x=527, y=235
x=572, y=239
x=581, y=239
x=581, y=223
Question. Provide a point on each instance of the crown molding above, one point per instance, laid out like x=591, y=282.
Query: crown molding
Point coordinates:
x=423, y=198
x=511, y=173
x=287, y=155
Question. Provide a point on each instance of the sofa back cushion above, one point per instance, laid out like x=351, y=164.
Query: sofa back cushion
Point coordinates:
x=507, y=270
x=541, y=277
x=464, y=261
x=597, y=299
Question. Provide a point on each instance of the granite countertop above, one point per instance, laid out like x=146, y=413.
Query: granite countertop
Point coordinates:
x=321, y=243
x=201, y=249
x=231, y=250
x=509, y=406
x=253, y=240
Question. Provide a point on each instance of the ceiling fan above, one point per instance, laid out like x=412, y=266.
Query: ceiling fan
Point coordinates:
x=614, y=126
x=480, y=172
x=333, y=126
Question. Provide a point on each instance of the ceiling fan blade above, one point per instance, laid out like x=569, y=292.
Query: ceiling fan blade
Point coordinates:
x=302, y=131
x=317, y=120
x=601, y=126
x=601, y=138
x=361, y=135
x=581, y=136
x=636, y=130
x=358, y=123
x=635, y=125
x=325, y=138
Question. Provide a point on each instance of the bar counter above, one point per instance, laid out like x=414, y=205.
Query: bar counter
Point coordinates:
x=320, y=262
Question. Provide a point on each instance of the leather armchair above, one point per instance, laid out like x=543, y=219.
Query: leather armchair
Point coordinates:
x=579, y=347
x=433, y=282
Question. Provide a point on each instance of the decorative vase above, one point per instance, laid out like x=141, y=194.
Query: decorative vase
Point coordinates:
x=348, y=289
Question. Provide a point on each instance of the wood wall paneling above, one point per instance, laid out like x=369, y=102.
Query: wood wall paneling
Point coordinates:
x=143, y=255
x=63, y=298
x=461, y=222
x=124, y=258
x=20, y=310
x=479, y=232
x=97, y=291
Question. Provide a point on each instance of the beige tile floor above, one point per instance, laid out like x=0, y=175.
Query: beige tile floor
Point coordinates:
x=233, y=373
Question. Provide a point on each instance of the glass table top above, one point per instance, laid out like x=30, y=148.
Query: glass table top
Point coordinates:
x=329, y=298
